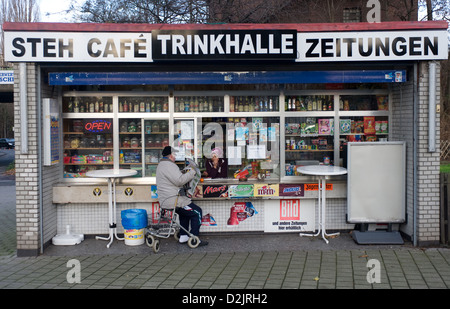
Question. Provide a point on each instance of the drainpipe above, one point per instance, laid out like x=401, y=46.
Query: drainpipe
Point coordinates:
x=432, y=107
x=39, y=161
x=415, y=150
x=23, y=108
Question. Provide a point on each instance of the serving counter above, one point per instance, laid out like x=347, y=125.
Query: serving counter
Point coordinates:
x=228, y=206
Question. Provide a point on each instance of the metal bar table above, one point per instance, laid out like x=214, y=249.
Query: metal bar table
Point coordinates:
x=111, y=175
x=322, y=172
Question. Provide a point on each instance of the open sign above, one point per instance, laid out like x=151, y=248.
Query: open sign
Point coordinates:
x=98, y=126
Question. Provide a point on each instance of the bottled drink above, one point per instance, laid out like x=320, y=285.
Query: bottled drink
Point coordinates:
x=255, y=104
x=187, y=105
x=201, y=104
x=70, y=106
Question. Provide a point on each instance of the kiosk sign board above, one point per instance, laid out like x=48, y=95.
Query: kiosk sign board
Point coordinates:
x=244, y=45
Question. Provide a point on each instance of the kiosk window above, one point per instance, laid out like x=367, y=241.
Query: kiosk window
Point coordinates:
x=248, y=146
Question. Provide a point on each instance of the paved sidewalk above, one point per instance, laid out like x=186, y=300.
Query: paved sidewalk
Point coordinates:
x=365, y=268
x=252, y=262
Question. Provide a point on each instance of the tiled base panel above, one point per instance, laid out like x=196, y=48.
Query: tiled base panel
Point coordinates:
x=270, y=216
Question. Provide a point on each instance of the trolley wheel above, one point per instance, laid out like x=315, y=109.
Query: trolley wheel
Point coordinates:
x=156, y=246
x=176, y=235
x=193, y=242
x=150, y=240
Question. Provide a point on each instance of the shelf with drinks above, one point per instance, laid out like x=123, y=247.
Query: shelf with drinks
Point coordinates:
x=132, y=104
x=266, y=103
x=87, y=104
x=309, y=103
x=198, y=104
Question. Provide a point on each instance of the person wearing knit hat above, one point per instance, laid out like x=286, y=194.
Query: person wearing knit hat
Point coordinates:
x=169, y=180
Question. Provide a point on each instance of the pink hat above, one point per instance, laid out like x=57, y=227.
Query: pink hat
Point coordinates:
x=218, y=152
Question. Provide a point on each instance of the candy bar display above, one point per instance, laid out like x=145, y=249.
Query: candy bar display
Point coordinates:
x=308, y=140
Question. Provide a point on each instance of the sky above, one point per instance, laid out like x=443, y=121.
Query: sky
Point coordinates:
x=55, y=8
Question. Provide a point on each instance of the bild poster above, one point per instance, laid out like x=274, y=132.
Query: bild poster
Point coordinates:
x=289, y=215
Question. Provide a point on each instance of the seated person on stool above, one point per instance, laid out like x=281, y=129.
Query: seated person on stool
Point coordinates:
x=169, y=180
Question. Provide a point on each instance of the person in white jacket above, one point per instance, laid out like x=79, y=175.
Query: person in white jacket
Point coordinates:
x=169, y=180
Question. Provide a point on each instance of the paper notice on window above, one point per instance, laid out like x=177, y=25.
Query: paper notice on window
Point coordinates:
x=187, y=130
x=242, y=133
x=234, y=155
x=181, y=154
x=230, y=134
x=256, y=152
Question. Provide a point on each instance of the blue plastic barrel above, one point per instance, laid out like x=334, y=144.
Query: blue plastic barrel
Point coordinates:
x=134, y=219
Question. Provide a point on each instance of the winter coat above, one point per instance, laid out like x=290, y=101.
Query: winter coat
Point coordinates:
x=169, y=179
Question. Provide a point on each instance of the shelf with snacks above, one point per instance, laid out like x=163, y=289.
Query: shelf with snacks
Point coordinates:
x=87, y=145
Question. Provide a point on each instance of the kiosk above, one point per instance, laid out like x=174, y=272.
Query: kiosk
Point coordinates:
x=272, y=97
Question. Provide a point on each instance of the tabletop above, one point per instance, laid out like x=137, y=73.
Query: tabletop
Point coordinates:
x=111, y=173
x=322, y=170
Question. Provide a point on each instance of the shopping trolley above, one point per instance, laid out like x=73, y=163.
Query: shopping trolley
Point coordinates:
x=168, y=222
x=166, y=226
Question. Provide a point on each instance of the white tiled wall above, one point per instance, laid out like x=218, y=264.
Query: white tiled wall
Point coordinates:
x=91, y=219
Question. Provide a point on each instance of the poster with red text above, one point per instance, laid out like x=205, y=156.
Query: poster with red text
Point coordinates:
x=289, y=215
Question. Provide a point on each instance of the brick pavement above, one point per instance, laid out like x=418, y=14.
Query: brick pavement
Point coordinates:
x=404, y=268
x=245, y=262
